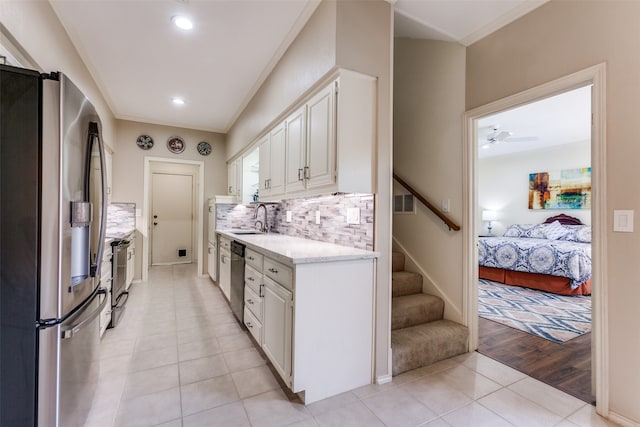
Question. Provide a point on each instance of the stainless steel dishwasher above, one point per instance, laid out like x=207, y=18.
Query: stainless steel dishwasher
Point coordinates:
x=236, y=294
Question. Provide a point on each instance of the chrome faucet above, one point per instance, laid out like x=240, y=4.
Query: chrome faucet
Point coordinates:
x=264, y=227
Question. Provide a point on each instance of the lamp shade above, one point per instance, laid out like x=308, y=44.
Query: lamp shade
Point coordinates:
x=488, y=215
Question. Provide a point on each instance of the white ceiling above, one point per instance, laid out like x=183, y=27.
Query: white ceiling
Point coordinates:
x=562, y=119
x=140, y=60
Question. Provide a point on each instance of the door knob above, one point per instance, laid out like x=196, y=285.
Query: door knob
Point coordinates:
x=155, y=223
x=155, y=217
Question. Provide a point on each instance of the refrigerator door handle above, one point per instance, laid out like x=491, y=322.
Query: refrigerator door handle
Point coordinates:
x=70, y=331
x=94, y=136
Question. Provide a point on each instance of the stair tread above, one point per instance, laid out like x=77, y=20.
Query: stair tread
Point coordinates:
x=415, y=309
x=424, y=344
x=405, y=283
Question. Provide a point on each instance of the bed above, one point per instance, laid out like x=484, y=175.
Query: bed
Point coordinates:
x=554, y=256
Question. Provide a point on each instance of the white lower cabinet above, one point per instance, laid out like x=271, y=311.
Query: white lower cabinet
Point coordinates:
x=314, y=321
x=276, y=324
x=212, y=262
x=225, y=272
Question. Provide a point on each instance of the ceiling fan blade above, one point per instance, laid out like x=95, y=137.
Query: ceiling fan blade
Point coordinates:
x=521, y=138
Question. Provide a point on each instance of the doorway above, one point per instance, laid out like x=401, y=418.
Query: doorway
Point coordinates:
x=173, y=177
x=592, y=76
x=172, y=207
x=527, y=321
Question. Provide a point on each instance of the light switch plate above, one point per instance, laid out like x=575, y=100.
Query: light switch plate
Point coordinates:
x=317, y=217
x=623, y=221
x=138, y=212
x=288, y=216
x=353, y=215
x=446, y=204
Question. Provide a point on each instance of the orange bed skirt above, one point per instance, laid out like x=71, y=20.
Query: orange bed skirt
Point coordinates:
x=543, y=282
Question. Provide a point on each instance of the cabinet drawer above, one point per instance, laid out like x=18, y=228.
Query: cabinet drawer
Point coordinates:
x=253, y=302
x=225, y=243
x=278, y=272
x=254, y=259
x=252, y=279
x=253, y=325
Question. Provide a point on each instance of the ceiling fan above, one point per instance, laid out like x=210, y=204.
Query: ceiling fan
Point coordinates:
x=497, y=136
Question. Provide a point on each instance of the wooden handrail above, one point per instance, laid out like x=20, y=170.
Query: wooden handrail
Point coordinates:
x=452, y=225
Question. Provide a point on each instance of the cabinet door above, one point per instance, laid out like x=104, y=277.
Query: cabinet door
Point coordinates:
x=212, y=266
x=131, y=263
x=238, y=189
x=276, y=327
x=211, y=226
x=321, y=139
x=264, y=167
x=277, y=160
x=231, y=179
x=296, y=152
x=225, y=273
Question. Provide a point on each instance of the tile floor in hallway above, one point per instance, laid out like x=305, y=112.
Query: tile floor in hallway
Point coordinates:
x=179, y=358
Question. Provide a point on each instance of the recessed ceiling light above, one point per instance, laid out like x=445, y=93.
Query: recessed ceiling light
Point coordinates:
x=177, y=100
x=182, y=22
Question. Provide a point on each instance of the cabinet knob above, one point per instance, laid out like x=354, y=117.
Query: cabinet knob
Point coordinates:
x=251, y=279
x=273, y=270
x=249, y=325
x=250, y=301
x=251, y=258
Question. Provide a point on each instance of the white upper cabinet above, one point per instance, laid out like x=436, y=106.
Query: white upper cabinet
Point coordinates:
x=234, y=179
x=320, y=162
x=272, y=163
x=296, y=158
x=326, y=144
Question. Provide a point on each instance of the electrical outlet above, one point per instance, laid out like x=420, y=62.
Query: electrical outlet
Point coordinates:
x=317, y=217
x=353, y=215
x=288, y=216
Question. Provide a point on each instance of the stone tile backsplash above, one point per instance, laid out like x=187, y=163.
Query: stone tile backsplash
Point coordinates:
x=333, y=227
x=121, y=218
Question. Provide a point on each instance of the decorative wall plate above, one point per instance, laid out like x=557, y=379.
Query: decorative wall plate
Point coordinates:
x=145, y=142
x=204, y=148
x=175, y=144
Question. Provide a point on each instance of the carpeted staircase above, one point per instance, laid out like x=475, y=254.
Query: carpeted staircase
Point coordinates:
x=419, y=334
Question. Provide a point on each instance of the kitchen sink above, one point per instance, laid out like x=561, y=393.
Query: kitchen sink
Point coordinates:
x=242, y=232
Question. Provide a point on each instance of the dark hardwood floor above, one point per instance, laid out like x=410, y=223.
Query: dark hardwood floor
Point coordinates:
x=565, y=366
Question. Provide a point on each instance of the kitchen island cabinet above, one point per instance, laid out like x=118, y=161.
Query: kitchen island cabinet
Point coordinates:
x=314, y=319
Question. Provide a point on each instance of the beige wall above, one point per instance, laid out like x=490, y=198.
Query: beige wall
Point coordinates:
x=428, y=106
x=310, y=56
x=332, y=39
x=34, y=25
x=557, y=39
x=128, y=167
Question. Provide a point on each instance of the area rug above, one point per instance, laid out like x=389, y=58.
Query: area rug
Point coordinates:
x=557, y=318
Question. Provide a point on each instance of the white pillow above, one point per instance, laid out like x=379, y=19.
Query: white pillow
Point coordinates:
x=555, y=231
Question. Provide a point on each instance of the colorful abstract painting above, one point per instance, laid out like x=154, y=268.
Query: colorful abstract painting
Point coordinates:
x=564, y=189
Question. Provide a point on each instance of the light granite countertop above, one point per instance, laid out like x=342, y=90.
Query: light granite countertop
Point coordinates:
x=296, y=250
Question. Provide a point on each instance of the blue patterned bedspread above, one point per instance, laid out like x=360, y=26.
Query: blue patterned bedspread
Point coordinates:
x=543, y=256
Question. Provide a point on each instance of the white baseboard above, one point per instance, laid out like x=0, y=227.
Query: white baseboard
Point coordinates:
x=383, y=379
x=623, y=421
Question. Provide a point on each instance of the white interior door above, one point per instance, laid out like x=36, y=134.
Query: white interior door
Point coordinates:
x=172, y=219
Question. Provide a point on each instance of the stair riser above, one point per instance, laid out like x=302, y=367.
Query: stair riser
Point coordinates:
x=405, y=283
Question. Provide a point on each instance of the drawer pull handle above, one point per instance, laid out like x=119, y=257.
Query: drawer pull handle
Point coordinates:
x=250, y=301
x=249, y=325
x=260, y=291
x=251, y=258
x=251, y=279
x=273, y=270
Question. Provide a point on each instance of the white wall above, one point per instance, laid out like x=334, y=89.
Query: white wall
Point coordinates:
x=553, y=41
x=428, y=106
x=503, y=184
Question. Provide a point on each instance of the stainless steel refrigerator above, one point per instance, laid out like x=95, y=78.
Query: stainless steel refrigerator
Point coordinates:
x=52, y=224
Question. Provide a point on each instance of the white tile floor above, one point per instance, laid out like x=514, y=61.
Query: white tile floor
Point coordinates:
x=179, y=358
